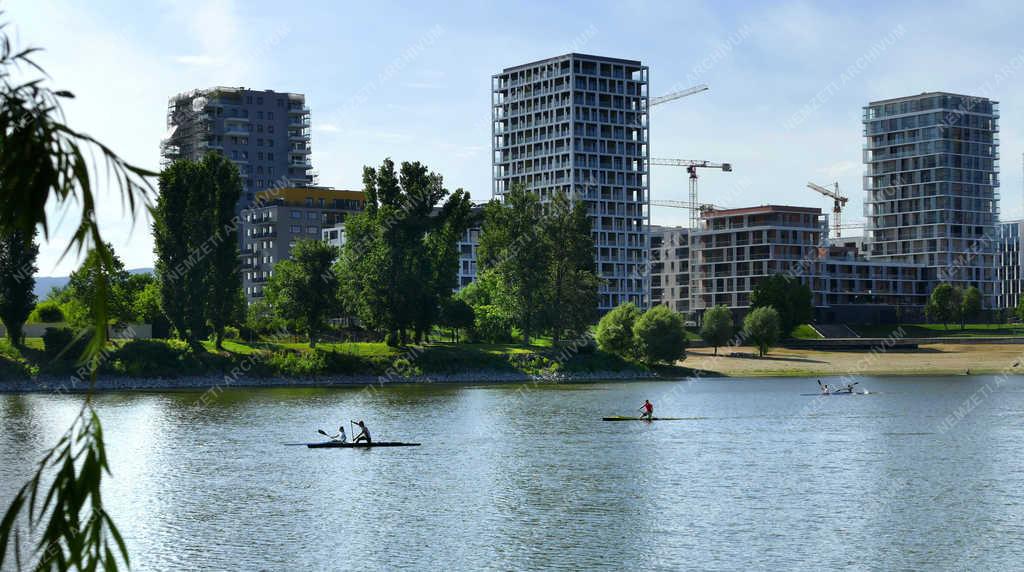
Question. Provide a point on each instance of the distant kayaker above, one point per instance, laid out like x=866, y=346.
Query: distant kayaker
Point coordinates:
x=648, y=410
x=364, y=433
x=824, y=388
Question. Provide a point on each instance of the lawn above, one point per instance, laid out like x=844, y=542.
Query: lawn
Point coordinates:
x=806, y=332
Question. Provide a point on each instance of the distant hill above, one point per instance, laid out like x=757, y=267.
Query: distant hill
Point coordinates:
x=46, y=283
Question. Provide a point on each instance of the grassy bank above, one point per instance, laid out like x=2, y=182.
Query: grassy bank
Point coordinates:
x=171, y=358
x=940, y=331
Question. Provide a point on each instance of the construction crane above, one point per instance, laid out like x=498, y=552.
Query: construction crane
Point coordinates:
x=839, y=201
x=691, y=168
x=676, y=95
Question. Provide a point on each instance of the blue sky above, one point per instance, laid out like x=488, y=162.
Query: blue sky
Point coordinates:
x=412, y=81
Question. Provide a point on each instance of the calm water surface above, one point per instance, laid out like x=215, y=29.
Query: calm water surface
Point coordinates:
x=512, y=479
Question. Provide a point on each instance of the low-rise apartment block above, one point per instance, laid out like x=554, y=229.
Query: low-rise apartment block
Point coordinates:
x=670, y=267
x=280, y=217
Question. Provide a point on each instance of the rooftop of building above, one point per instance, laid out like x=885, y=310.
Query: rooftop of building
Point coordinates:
x=763, y=209
x=297, y=196
x=234, y=90
x=573, y=55
x=923, y=95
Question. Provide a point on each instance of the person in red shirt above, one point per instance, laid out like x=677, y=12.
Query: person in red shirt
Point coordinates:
x=648, y=410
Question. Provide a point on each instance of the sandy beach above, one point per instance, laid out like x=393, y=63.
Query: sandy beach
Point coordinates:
x=929, y=359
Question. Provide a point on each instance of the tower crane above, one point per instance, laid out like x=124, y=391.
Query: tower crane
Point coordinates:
x=691, y=168
x=676, y=95
x=839, y=201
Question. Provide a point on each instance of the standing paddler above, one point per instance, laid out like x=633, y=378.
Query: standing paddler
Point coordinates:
x=648, y=410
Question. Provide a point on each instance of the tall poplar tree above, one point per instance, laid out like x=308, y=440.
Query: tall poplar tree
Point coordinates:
x=18, y=253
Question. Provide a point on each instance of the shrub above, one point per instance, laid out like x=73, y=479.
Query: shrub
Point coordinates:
x=763, y=328
x=491, y=325
x=48, y=312
x=232, y=333
x=62, y=343
x=615, y=331
x=295, y=363
x=165, y=358
x=660, y=335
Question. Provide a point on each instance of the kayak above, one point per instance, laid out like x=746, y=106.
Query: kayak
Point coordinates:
x=621, y=418
x=837, y=394
x=360, y=445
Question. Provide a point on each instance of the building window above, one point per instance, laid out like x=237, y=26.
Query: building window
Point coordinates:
x=295, y=229
x=270, y=128
x=259, y=155
x=270, y=115
x=270, y=156
x=296, y=214
x=244, y=141
x=259, y=128
x=312, y=230
x=309, y=201
x=259, y=101
x=311, y=216
x=248, y=99
x=321, y=203
x=280, y=102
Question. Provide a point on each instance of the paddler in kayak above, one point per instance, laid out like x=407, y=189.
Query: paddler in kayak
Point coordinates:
x=648, y=410
x=824, y=388
x=340, y=436
x=364, y=433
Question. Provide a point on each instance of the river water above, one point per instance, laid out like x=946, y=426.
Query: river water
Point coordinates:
x=519, y=477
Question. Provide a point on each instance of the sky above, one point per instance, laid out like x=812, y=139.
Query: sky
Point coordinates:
x=411, y=81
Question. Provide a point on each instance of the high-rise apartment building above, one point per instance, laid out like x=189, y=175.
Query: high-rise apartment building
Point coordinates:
x=1011, y=260
x=932, y=164
x=577, y=124
x=265, y=133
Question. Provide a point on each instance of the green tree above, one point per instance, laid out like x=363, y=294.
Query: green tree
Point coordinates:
x=615, y=330
x=763, y=327
x=790, y=297
x=224, y=280
x=47, y=312
x=491, y=324
x=195, y=233
x=970, y=306
x=18, y=253
x=660, y=335
x=1019, y=311
x=98, y=278
x=303, y=289
x=944, y=304
x=399, y=260
x=144, y=298
x=511, y=244
x=457, y=315
x=717, y=327
x=572, y=280
x=43, y=159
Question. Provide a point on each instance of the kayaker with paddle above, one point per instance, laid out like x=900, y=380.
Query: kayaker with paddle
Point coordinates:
x=364, y=433
x=824, y=388
x=648, y=410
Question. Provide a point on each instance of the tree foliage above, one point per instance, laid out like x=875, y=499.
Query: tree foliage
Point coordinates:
x=197, y=258
x=791, y=298
x=660, y=335
x=400, y=259
x=572, y=284
x=511, y=246
x=970, y=306
x=95, y=278
x=944, y=304
x=763, y=327
x=717, y=328
x=43, y=159
x=18, y=253
x=615, y=330
x=303, y=291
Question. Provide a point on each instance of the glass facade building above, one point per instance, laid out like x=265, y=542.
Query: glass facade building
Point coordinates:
x=932, y=166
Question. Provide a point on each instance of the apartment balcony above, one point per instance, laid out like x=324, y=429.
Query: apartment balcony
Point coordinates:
x=298, y=109
x=297, y=135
